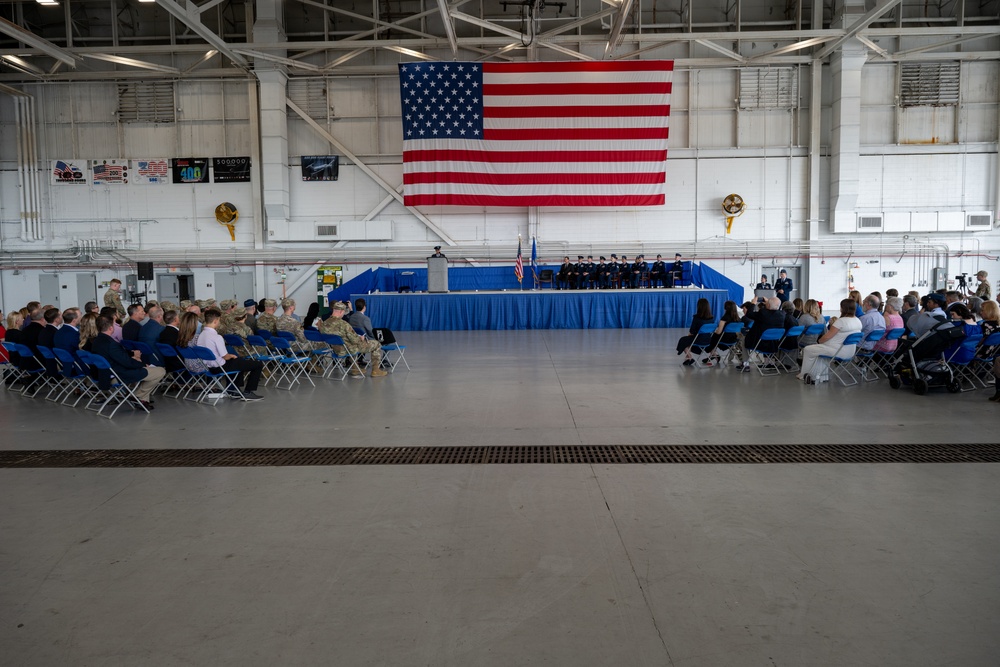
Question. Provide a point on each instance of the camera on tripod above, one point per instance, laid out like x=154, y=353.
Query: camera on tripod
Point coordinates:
x=963, y=281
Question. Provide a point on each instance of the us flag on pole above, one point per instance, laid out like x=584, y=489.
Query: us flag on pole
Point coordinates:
x=519, y=263
x=535, y=134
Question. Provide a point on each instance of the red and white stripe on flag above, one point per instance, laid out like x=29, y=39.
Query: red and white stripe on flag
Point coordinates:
x=552, y=134
x=519, y=263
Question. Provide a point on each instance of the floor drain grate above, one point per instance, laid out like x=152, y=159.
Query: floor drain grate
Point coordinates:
x=503, y=454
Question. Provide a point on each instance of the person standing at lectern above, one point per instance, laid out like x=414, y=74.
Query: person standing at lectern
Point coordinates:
x=763, y=284
x=783, y=288
x=438, y=253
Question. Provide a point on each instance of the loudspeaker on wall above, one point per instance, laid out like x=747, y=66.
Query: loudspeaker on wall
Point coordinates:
x=145, y=270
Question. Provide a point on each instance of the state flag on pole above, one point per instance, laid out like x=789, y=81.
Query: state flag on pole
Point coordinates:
x=519, y=263
x=535, y=134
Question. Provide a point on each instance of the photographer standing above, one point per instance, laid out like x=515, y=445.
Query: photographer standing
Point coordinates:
x=983, y=290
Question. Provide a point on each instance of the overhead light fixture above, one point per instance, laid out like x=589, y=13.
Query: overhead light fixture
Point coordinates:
x=47, y=2
x=147, y=0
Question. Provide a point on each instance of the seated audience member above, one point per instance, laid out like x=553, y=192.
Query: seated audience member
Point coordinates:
x=891, y=292
x=856, y=296
x=910, y=309
x=730, y=315
x=47, y=338
x=360, y=319
x=249, y=370
x=136, y=314
x=975, y=304
x=26, y=312
x=111, y=313
x=266, y=320
x=788, y=308
x=288, y=322
x=4, y=357
x=68, y=336
x=354, y=343
x=250, y=306
x=813, y=368
x=702, y=316
x=930, y=317
x=881, y=302
x=91, y=307
x=811, y=314
x=312, y=314
x=952, y=297
x=88, y=331
x=13, y=335
x=150, y=332
x=990, y=323
x=168, y=335
x=30, y=336
x=799, y=306
x=127, y=366
x=871, y=320
x=892, y=320
x=961, y=316
x=749, y=308
x=236, y=324
x=769, y=316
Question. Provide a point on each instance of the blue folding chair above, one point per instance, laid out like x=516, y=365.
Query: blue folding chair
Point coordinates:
x=765, y=355
x=387, y=359
x=76, y=377
x=961, y=361
x=840, y=362
x=982, y=365
x=52, y=377
x=118, y=394
x=729, y=343
x=291, y=366
x=702, y=339
x=790, y=343
x=344, y=359
x=864, y=360
x=883, y=360
x=32, y=374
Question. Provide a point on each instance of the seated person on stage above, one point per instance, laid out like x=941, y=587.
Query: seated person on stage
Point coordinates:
x=763, y=284
x=676, y=271
x=624, y=272
x=250, y=370
x=613, y=271
x=702, y=316
x=355, y=344
x=639, y=269
x=601, y=275
x=566, y=274
x=580, y=273
x=128, y=366
x=658, y=272
x=589, y=274
x=769, y=316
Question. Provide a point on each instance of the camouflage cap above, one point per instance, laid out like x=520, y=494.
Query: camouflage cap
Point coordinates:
x=238, y=312
x=210, y=302
x=201, y=303
x=287, y=303
x=185, y=304
x=338, y=305
x=168, y=305
x=270, y=303
x=227, y=304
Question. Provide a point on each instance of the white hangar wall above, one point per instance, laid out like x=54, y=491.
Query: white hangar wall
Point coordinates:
x=921, y=171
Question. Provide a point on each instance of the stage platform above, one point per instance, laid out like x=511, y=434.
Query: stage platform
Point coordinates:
x=540, y=309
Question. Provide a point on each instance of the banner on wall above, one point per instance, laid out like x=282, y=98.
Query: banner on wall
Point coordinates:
x=190, y=169
x=153, y=171
x=231, y=169
x=328, y=278
x=69, y=172
x=320, y=167
x=111, y=172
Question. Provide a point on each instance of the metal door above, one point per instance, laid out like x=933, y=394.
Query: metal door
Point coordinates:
x=794, y=272
x=48, y=289
x=236, y=286
x=166, y=288
x=86, y=289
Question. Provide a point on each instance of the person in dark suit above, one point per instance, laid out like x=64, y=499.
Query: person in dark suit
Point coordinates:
x=624, y=271
x=29, y=337
x=639, y=268
x=676, y=271
x=579, y=273
x=47, y=336
x=150, y=333
x=564, y=277
x=131, y=328
x=128, y=367
x=68, y=336
x=601, y=274
x=589, y=276
x=769, y=316
x=168, y=335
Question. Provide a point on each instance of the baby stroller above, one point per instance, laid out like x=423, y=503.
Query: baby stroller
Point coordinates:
x=923, y=365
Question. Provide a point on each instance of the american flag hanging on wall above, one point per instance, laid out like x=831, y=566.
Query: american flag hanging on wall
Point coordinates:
x=535, y=134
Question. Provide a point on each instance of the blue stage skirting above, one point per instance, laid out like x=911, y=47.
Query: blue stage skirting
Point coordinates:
x=542, y=309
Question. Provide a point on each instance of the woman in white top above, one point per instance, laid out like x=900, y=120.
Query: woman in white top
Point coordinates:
x=815, y=369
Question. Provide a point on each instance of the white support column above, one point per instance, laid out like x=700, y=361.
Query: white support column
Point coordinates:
x=845, y=135
x=273, y=115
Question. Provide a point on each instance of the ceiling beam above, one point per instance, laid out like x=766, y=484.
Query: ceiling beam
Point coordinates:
x=132, y=62
x=881, y=8
x=729, y=53
x=36, y=42
x=193, y=21
x=624, y=7
x=449, y=25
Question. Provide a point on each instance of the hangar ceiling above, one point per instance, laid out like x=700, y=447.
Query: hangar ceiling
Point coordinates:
x=62, y=40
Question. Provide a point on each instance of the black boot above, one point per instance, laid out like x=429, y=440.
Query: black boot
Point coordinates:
x=996, y=397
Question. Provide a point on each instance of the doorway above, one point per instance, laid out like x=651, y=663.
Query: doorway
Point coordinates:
x=86, y=288
x=235, y=286
x=48, y=289
x=794, y=272
x=175, y=287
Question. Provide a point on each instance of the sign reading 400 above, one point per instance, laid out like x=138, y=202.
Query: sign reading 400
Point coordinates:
x=190, y=169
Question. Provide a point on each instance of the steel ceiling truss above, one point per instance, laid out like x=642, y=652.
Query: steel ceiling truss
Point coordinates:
x=179, y=38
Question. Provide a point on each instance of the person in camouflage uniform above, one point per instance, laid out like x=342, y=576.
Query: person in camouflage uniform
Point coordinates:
x=287, y=322
x=234, y=323
x=355, y=344
x=267, y=320
x=170, y=305
x=112, y=299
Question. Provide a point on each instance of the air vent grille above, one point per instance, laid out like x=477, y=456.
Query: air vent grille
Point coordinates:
x=146, y=102
x=326, y=230
x=870, y=222
x=929, y=84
